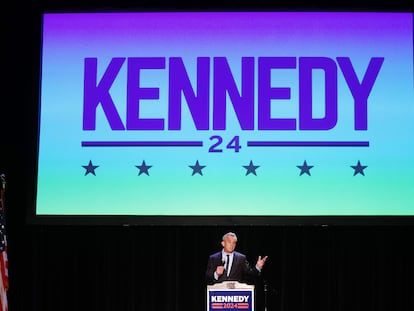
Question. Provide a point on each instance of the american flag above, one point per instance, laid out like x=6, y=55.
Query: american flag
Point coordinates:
x=4, y=273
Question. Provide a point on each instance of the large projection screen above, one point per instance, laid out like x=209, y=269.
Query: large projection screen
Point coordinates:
x=207, y=115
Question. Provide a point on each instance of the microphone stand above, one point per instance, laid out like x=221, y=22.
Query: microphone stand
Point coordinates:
x=265, y=290
x=267, y=287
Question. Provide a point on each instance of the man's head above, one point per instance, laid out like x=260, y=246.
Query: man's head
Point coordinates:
x=229, y=242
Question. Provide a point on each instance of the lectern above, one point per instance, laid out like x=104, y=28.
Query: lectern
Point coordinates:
x=230, y=295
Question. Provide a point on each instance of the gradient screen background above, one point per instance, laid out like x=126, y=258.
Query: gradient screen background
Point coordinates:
x=276, y=186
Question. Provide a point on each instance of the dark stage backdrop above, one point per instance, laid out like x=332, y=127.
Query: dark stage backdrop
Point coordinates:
x=162, y=268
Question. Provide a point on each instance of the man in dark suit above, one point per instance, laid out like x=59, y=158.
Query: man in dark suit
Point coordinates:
x=229, y=265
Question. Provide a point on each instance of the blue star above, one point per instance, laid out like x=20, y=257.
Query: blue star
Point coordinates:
x=305, y=168
x=359, y=169
x=251, y=168
x=90, y=168
x=143, y=168
x=197, y=168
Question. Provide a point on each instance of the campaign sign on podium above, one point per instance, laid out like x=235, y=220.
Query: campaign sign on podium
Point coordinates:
x=230, y=295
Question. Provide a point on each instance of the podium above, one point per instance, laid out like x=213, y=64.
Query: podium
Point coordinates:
x=230, y=296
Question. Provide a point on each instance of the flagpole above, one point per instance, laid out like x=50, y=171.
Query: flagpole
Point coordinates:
x=4, y=277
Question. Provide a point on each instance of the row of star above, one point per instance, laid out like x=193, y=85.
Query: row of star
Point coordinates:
x=250, y=168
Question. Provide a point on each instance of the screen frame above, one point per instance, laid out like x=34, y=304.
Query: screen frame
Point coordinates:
x=220, y=220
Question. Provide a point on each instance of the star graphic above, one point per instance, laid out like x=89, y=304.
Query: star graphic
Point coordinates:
x=305, y=168
x=197, y=168
x=359, y=169
x=251, y=168
x=143, y=168
x=90, y=168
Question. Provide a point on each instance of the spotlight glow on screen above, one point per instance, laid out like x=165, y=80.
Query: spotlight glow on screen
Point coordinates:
x=224, y=113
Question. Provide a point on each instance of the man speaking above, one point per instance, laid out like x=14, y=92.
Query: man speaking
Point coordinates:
x=229, y=265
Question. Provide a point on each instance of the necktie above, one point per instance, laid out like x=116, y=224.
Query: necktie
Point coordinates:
x=227, y=265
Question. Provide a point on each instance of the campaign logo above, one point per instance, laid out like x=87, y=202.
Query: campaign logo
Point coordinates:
x=214, y=93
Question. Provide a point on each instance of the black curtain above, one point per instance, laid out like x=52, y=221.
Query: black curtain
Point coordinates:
x=162, y=268
x=150, y=268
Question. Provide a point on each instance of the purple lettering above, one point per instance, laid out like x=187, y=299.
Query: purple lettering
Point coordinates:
x=135, y=93
x=180, y=83
x=224, y=84
x=267, y=93
x=360, y=91
x=95, y=94
x=241, y=95
x=306, y=120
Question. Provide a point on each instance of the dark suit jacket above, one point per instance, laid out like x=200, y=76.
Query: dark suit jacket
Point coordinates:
x=240, y=271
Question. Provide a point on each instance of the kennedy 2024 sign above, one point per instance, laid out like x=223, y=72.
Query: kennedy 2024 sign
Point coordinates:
x=247, y=113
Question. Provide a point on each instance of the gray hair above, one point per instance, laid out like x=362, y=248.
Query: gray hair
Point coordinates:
x=232, y=234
